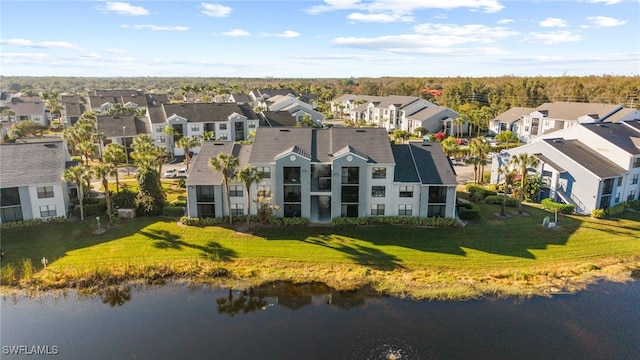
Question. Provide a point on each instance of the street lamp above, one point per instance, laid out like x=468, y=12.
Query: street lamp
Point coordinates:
x=126, y=152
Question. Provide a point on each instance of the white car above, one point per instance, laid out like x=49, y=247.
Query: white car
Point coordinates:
x=182, y=173
x=170, y=173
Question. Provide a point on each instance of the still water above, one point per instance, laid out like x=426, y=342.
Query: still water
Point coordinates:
x=312, y=321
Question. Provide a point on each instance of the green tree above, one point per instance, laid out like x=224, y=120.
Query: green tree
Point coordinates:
x=522, y=162
x=507, y=178
x=171, y=136
x=249, y=176
x=450, y=146
x=226, y=164
x=114, y=154
x=88, y=150
x=421, y=131
x=507, y=136
x=77, y=175
x=187, y=143
x=480, y=149
x=101, y=172
x=148, y=160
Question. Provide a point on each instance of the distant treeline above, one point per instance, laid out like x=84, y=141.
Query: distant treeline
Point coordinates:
x=500, y=93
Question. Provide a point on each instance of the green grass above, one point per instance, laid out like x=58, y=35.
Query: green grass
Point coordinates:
x=514, y=256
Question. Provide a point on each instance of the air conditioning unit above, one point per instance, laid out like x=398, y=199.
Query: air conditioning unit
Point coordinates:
x=126, y=213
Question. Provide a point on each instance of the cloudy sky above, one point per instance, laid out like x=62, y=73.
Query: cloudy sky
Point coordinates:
x=330, y=38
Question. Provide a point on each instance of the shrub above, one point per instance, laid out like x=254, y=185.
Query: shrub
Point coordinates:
x=173, y=211
x=32, y=222
x=125, y=199
x=91, y=209
x=179, y=203
x=394, y=220
x=597, y=213
x=497, y=199
x=468, y=211
x=615, y=210
x=549, y=204
x=193, y=221
x=478, y=193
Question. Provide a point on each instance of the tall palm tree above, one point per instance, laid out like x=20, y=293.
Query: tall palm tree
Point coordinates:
x=523, y=161
x=187, y=143
x=507, y=174
x=101, y=171
x=480, y=149
x=114, y=154
x=77, y=174
x=450, y=146
x=226, y=164
x=249, y=176
x=171, y=133
x=87, y=149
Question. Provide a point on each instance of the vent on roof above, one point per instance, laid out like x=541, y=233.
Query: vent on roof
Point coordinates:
x=218, y=143
x=50, y=146
x=284, y=130
x=361, y=130
x=426, y=144
x=557, y=140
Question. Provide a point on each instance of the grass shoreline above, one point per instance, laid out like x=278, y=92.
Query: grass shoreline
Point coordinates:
x=490, y=257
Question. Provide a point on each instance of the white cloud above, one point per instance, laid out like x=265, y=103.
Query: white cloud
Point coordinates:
x=40, y=44
x=155, y=27
x=472, y=31
x=553, y=22
x=123, y=8
x=236, y=33
x=404, y=6
x=215, y=10
x=604, y=21
x=115, y=51
x=380, y=17
x=28, y=56
x=551, y=37
x=607, y=2
x=505, y=21
x=284, y=34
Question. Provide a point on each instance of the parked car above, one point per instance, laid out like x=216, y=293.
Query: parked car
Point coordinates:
x=182, y=173
x=170, y=173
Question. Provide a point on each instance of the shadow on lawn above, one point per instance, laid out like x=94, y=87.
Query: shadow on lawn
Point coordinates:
x=369, y=256
x=166, y=240
x=516, y=236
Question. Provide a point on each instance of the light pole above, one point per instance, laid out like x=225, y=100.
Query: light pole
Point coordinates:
x=126, y=152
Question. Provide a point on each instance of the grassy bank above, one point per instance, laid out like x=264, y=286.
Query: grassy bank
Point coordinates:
x=504, y=257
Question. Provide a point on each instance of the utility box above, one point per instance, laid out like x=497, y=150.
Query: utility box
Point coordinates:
x=126, y=213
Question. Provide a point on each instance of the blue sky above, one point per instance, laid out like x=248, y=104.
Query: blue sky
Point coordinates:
x=330, y=38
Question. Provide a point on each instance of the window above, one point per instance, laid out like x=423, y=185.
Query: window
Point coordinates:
x=634, y=179
x=617, y=198
x=636, y=162
x=631, y=196
x=237, y=209
x=350, y=175
x=195, y=127
x=266, y=172
x=223, y=126
x=406, y=191
x=204, y=193
x=10, y=197
x=377, y=209
x=159, y=128
x=379, y=173
x=405, y=209
x=437, y=210
x=47, y=211
x=45, y=192
x=620, y=181
x=252, y=125
x=222, y=137
x=437, y=194
x=161, y=138
x=350, y=194
x=264, y=190
x=206, y=210
x=235, y=190
x=377, y=191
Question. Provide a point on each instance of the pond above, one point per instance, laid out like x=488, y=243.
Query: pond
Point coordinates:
x=312, y=321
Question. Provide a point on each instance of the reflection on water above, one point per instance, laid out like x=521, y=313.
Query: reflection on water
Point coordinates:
x=312, y=321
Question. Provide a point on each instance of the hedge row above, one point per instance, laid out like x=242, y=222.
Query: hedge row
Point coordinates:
x=395, y=220
x=173, y=211
x=616, y=210
x=468, y=211
x=92, y=209
x=549, y=204
x=32, y=222
x=478, y=193
x=497, y=199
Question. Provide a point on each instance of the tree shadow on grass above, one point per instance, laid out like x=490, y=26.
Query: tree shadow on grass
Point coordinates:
x=166, y=240
x=362, y=255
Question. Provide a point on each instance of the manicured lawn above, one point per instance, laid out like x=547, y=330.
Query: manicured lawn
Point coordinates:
x=485, y=255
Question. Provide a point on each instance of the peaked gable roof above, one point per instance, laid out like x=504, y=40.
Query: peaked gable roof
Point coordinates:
x=574, y=110
x=586, y=157
x=207, y=112
x=423, y=162
x=276, y=118
x=116, y=126
x=618, y=134
x=514, y=114
x=35, y=162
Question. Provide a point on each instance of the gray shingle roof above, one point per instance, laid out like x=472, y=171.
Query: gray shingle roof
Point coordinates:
x=199, y=171
x=208, y=112
x=36, y=162
x=586, y=157
x=431, y=164
x=618, y=134
x=427, y=113
x=574, y=110
x=111, y=126
x=513, y=114
x=276, y=118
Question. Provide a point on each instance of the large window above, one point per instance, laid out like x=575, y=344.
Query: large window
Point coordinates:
x=631, y=196
x=10, y=202
x=379, y=173
x=291, y=174
x=350, y=194
x=206, y=210
x=406, y=191
x=266, y=172
x=205, y=193
x=349, y=210
x=47, y=211
x=437, y=194
x=437, y=210
x=237, y=209
x=350, y=175
x=636, y=162
x=377, y=210
x=634, y=179
x=235, y=190
x=292, y=210
x=405, y=209
x=377, y=191
x=45, y=192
